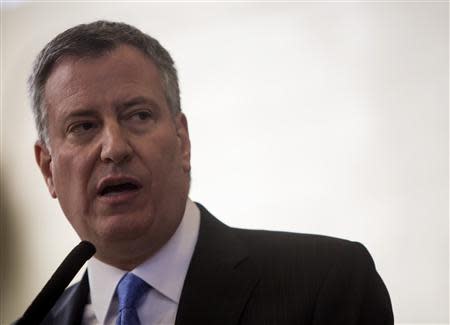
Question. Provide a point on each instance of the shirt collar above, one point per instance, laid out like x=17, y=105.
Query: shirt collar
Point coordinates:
x=165, y=271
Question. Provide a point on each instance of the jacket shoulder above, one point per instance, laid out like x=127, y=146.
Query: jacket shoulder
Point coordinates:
x=320, y=249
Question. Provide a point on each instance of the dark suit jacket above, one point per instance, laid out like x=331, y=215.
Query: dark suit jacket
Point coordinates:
x=241, y=276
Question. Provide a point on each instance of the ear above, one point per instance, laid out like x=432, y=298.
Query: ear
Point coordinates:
x=183, y=138
x=44, y=161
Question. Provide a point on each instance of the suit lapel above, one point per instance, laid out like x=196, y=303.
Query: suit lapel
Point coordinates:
x=220, y=278
x=70, y=308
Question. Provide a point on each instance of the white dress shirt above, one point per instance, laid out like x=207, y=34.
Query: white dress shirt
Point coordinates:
x=165, y=272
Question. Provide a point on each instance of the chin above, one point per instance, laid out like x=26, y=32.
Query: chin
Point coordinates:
x=123, y=228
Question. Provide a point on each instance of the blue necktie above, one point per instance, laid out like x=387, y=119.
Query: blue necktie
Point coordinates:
x=129, y=290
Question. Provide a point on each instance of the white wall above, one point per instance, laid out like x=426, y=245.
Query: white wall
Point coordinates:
x=328, y=118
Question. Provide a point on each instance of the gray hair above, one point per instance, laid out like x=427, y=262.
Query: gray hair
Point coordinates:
x=93, y=40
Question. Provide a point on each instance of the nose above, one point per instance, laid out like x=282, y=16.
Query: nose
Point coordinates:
x=115, y=147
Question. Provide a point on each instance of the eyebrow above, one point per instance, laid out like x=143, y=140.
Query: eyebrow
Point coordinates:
x=86, y=112
x=81, y=113
x=136, y=101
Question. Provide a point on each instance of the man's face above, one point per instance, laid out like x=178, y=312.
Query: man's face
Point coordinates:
x=118, y=161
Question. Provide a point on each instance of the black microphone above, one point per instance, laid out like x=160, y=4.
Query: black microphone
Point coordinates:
x=54, y=288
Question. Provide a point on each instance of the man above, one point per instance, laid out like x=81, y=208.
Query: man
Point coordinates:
x=114, y=150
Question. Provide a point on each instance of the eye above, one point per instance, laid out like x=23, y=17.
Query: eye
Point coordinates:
x=144, y=115
x=82, y=127
x=141, y=115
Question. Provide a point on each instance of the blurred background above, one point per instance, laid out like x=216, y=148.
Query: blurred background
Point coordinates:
x=327, y=118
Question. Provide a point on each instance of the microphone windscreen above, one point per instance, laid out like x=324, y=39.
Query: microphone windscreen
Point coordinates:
x=54, y=288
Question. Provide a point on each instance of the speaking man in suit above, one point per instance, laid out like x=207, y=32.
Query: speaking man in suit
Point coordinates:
x=114, y=150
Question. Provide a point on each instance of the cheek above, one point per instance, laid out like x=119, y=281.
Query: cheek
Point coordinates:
x=157, y=153
x=71, y=176
x=159, y=165
x=168, y=169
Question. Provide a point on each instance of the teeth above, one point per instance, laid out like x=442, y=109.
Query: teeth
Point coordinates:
x=118, y=188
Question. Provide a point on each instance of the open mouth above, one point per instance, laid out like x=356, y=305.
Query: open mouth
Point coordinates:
x=118, y=189
x=111, y=186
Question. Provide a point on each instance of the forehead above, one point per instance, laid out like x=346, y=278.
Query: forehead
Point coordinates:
x=117, y=72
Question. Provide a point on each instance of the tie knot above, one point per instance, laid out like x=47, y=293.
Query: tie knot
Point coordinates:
x=130, y=289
